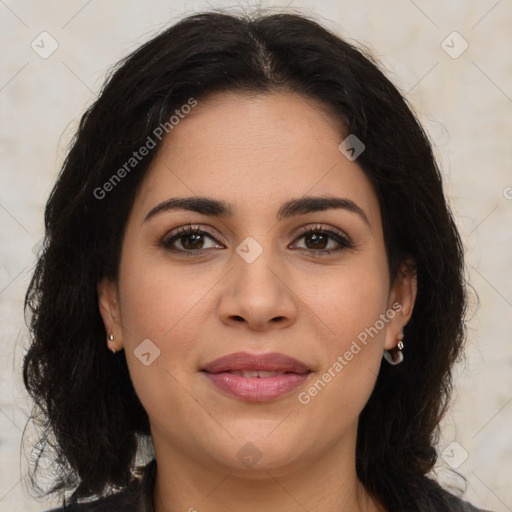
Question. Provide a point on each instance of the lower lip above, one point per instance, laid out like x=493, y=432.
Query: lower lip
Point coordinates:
x=257, y=389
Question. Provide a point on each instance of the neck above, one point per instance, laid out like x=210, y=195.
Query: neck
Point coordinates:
x=327, y=484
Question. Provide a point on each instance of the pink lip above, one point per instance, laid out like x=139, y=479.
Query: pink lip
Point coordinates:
x=256, y=389
x=272, y=362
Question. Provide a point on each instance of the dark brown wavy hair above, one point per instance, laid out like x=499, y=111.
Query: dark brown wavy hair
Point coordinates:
x=85, y=405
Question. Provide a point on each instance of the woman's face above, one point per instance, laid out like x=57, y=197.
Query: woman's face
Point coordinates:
x=252, y=282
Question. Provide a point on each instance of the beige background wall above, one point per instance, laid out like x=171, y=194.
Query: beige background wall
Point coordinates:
x=465, y=102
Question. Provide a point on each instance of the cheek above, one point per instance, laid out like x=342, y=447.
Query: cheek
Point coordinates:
x=349, y=305
x=160, y=300
x=347, y=299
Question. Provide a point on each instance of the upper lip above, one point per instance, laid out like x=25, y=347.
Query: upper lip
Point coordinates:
x=242, y=361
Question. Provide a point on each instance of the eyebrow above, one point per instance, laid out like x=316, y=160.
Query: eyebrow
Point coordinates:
x=218, y=208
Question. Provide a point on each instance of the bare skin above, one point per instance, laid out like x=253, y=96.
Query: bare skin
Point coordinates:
x=255, y=153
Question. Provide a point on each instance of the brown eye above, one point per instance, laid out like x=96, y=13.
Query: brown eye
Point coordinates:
x=189, y=240
x=316, y=240
x=323, y=241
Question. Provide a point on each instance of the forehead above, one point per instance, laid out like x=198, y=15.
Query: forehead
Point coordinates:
x=256, y=151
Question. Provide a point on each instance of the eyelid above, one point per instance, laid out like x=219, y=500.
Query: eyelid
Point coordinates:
x=194, y=227
x=320, y=227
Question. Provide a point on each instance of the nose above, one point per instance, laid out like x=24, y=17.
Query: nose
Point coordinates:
x=258, y=295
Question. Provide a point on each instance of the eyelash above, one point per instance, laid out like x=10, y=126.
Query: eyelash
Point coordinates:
x=175, y=235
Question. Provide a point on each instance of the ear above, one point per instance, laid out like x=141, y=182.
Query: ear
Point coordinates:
x=110, y=313
x=402, y=297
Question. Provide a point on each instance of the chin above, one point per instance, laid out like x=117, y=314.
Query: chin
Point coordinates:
x=253, y=456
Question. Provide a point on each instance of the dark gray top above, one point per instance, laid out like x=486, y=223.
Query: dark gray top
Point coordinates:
x=138, y=497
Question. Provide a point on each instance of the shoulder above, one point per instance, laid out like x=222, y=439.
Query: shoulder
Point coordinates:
x=137, y=497
x=463, y=506
x=467, y=507
x=122, y=501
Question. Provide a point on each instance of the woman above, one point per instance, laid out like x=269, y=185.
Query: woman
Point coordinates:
x=249, y=261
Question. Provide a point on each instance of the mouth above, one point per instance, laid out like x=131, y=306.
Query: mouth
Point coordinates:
x=248, y=374
x=256, y=377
